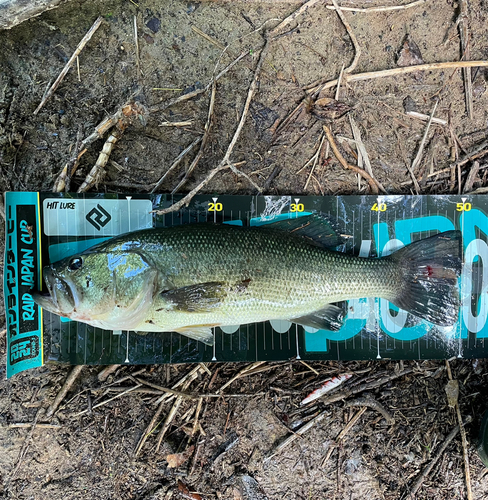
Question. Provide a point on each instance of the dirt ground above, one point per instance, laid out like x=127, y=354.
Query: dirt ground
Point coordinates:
x=180, y=47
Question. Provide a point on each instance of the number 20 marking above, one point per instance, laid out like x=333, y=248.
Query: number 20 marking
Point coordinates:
x=215, y=207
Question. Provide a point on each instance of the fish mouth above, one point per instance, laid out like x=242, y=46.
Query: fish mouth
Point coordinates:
x=58, y=296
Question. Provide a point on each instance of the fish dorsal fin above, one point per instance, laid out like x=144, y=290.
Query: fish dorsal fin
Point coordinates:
x=316, y=228
x=331, y=317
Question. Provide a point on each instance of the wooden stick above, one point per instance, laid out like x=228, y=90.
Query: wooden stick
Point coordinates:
x=385, y=8
x=372, y=183
x=70, y=380
x=420, y=152
x=354, y=41
x=464, y=37
x=205, y=137
x=359, y=77
x=176, y=163
x=72, y=59
x=416, y=486
x=425, y=118
x=464, y=442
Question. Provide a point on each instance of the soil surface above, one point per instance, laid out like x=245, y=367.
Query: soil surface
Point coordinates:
x=227, y=451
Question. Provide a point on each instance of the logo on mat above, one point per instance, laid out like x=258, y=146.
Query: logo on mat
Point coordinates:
x=98, y=217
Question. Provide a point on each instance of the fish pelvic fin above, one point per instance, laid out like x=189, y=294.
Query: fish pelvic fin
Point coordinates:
x=430, y=269
x=331, y=317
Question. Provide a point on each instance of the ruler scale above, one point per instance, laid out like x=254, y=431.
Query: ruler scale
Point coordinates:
x=374, y=329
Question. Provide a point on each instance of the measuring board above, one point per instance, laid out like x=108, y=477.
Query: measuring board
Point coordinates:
x=45, y=227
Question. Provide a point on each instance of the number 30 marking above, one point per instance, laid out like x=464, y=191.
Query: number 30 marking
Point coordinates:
x=297, y=207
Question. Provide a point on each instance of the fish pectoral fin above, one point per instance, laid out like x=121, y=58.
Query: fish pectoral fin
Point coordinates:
x=331, y=317
x=202, y=297
x=202, y=333
x=316, y=228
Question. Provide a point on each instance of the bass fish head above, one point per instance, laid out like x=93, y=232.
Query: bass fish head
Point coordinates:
x=111, y=289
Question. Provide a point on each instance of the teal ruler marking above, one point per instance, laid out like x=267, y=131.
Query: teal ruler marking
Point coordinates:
x=374, y=226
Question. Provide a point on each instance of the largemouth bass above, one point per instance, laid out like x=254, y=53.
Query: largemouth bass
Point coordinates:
x=190, y=278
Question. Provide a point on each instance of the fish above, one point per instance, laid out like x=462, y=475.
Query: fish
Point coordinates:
x=191, y=278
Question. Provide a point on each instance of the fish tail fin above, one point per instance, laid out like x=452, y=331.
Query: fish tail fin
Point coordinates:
x=430, y=269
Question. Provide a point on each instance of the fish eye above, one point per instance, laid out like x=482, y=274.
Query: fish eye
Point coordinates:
x=75, y=263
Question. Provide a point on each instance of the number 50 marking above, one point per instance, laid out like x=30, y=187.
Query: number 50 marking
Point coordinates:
x=463, y=207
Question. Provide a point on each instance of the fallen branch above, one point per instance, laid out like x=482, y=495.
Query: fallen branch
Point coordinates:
x=372, y=182
x=68, y=65
x=352, y=36
x=70, y=380
x=416, y=486
x=359, y=77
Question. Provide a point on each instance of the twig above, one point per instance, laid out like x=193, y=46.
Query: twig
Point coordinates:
x=68, y=65
x=464, y=442
x=97, y=172
x=478, y=152
x=372, y=183
x=372, y=403
x=360, y=145
x=315, y=161
x=70, y=380
x=367, y=386
x=243, y=373
x=420, y=151
x=195, y=422
x=103, y=403
x=464, y=37
x=343, y=433
x=205, y=137
x=297, y=434
x=63, y=182
x=354, y=41
x=167, y=422
x=303, y=8
x=468, y=185
x=176, y=163
x=150, y=428
x=27, y=425
x=421, y=116
x=416, y=486
x=359, y=77
x=107, y=371
x=276, y=171
x=26, y=444
x=164, y=389
x=138, y=61
x=385, y=8
x=243, y=174
x=225, y=162
x=190, y=95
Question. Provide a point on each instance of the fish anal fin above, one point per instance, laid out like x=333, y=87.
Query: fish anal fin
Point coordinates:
x=331, y=317
x=202, y=333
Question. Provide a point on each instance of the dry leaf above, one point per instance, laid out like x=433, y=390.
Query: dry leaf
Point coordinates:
x=177, y=459
x=329, y=109
x=452, y=391
x=186, y=493
x=410, y=54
